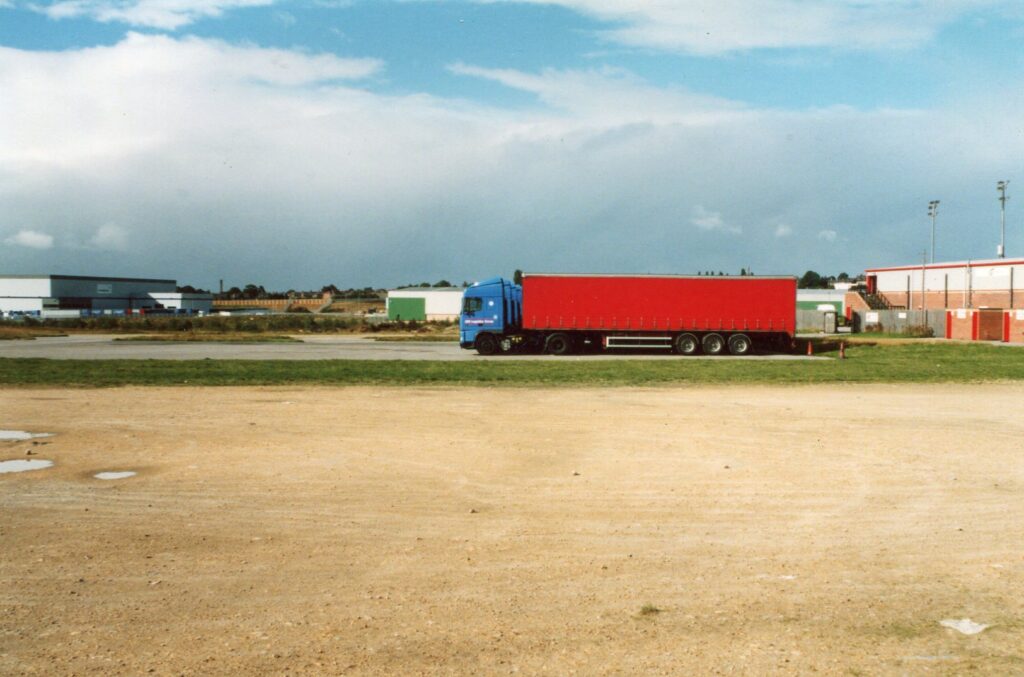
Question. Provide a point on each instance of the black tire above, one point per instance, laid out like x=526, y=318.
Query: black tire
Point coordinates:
x=713, y=344
x=486, y=344
x=558, y=344
x=740, y=344
x=686, y=344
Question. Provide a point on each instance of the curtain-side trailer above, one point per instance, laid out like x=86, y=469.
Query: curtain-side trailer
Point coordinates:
x=567, y=313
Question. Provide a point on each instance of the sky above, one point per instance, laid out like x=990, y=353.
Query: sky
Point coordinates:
x=294, y=144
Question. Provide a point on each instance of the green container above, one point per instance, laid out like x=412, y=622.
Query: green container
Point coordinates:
x=407, y=309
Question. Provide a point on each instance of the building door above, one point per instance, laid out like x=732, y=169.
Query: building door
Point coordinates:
x=829, y=322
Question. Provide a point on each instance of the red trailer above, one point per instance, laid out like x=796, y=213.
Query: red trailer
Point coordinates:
x=565, y=313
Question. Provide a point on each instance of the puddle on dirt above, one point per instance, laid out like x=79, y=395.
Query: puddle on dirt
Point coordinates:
x=124, y=474
x=964, y=626
x=22, y=466
x=18, y=435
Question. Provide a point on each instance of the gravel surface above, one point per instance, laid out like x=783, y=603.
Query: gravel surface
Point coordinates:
x=377, y=531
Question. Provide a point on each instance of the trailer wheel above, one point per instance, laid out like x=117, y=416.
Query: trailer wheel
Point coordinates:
x=486, y=344
x=687, y=344
x=713, y=344
x=505, y=345
x=558, y=344
x=739, y=344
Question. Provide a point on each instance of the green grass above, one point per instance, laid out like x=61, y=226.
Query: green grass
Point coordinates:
x=210, y=338
x=296, y=323
x=904, y=363
x=419, y=338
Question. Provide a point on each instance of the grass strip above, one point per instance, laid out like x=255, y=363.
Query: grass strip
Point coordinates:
x=913, y=363
x=210, y=338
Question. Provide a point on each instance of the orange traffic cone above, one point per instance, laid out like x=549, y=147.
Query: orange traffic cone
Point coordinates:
x=810, y=348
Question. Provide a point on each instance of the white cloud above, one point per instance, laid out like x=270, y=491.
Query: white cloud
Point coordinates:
x=30, y=238
x=708, y=220
x=286, y=19
x=120, y=110
x=165, y=14
x=827, y=235
x=782, y=230
x=110, y=236
x=720, y=26
x=270, y=166
x=609, y=95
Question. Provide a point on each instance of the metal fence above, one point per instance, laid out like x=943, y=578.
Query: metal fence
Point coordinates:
x=816, y=321
x=897, y=321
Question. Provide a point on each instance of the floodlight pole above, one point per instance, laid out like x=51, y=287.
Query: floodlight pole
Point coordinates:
x=924, y=269
x=1001, y=187
x=933, y=210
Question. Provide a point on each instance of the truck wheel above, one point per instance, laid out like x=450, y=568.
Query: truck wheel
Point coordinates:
x=739, y=344
x=713, y=344
x=505, y=345
x=486, y=344
x=687, y=344
x=559, y=344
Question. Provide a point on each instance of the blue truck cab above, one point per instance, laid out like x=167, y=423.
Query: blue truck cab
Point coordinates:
x=491, y=310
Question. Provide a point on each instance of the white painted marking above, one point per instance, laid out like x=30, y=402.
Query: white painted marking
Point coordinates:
x=22, y=466
x=964, y=626
x=18, y=435
x=114, y=475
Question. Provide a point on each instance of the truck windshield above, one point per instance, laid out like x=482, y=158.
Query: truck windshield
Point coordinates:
x=471, y=305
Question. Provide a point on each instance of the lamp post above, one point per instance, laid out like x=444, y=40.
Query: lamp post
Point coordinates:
x=1001, y=187
x=933, y=210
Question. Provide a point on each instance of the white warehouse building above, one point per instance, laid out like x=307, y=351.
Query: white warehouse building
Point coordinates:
x=425, y=303
x=39, y=294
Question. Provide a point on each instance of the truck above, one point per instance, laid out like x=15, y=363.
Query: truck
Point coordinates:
x=562, y=314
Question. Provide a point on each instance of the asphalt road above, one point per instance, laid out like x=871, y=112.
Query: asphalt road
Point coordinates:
x=103, y=347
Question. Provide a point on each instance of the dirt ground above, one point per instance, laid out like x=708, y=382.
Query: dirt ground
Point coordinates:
x=745, y=530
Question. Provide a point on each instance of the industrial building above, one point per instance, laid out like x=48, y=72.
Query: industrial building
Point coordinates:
x=441, y=304
x=991, y=283
x=821, y=299
x=65, y=294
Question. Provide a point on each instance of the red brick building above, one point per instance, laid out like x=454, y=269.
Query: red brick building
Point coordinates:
x=992, y=283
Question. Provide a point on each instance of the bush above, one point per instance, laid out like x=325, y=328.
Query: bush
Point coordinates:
x=918, y=331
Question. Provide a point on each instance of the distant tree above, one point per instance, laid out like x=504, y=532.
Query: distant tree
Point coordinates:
x=517, y=277
x=465, y=284
x=424, y=284
x=843, y=277
x=329, y=289
x=812, y=280
x=189, y=289
x=442, y=283
x=743, y=272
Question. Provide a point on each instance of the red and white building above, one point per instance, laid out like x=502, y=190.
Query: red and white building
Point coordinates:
x=991, y=283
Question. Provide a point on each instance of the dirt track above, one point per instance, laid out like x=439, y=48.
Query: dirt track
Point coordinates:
x=406, y=531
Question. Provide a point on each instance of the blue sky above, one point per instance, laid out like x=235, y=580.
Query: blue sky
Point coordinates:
x=362, y=142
